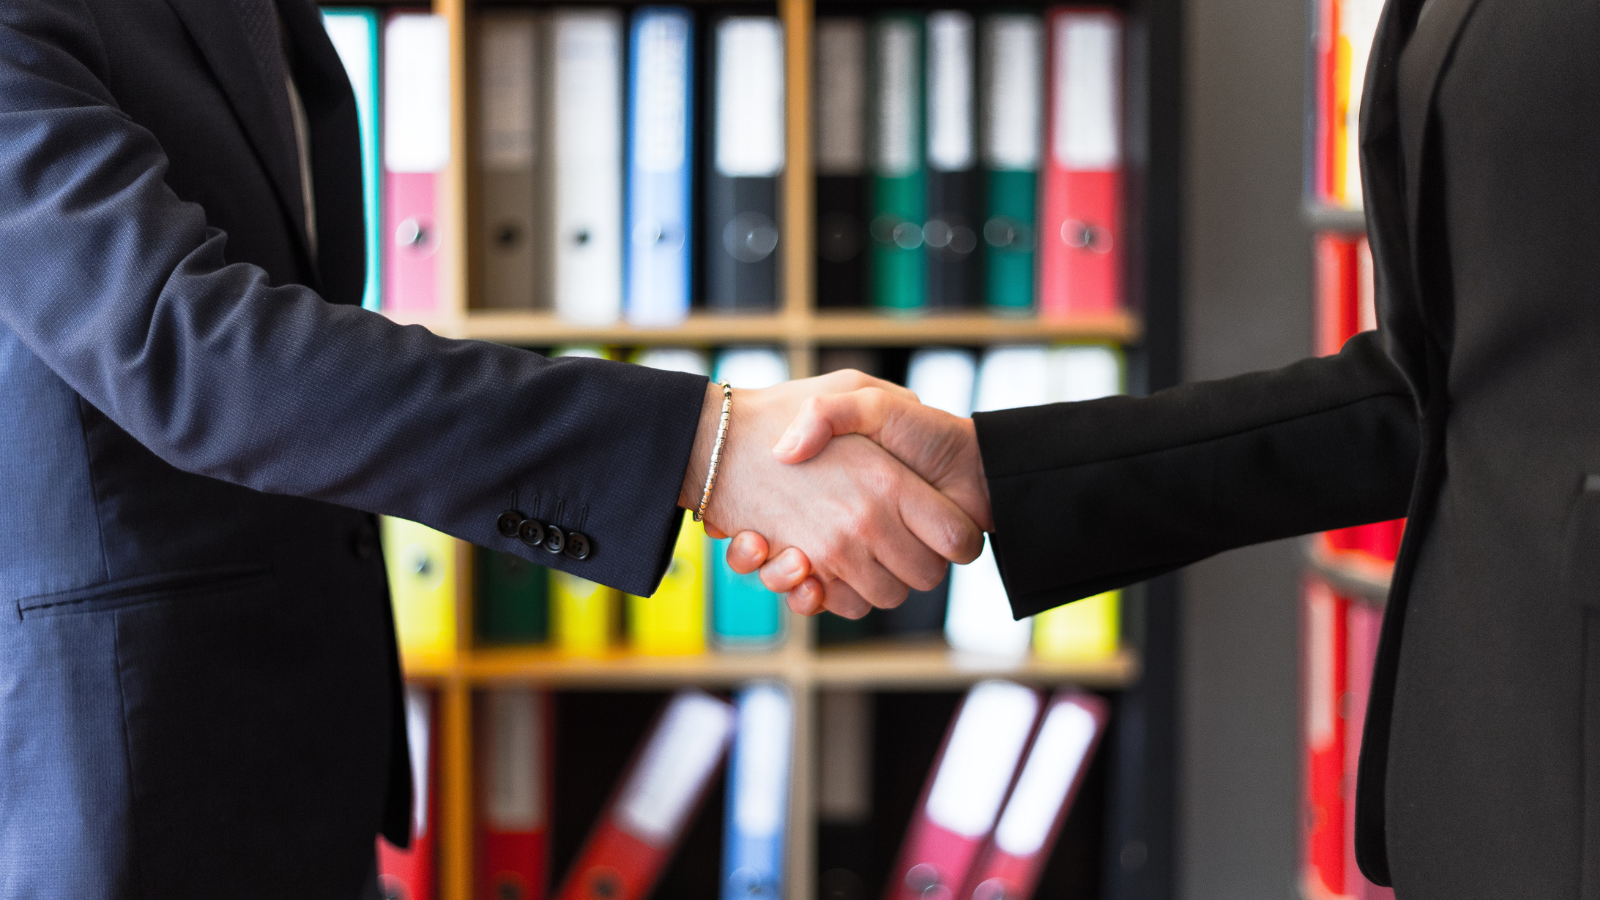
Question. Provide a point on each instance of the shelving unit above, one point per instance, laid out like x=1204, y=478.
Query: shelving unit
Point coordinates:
x=1142, y=673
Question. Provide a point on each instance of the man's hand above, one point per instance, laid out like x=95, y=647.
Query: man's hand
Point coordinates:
x=866, y=526
x=941, y=448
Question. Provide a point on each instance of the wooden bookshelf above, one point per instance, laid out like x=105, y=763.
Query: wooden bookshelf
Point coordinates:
x=799, y=328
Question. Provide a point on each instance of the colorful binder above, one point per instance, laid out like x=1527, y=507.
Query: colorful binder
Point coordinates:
x=979, y=618
x=354, y=34
x=1012, y=107
x=421, y=564
x=955, y=184
x=756, y=819
x=1342, y=43
x=747, y=156
x=841, y=98
x=1364, y=625
x=660, y=165
x=585, y=164
x=965, y=791
x=899, y=189
x=1324, y=679
x=845, y=836
x=582, y=615
x=1081, y=237
x=513, y=597
x=1082, y=631
x=1010, y=863
x=508, y=95
x=412, y=874
x=744, y=614
x=416, y=149
x=636, y=835
x=515, y=820
x=942, y=378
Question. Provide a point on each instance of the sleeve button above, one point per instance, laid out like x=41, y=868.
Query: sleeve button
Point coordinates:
x=508, y=523
x=530, y=532
x=554, y=539
x=578, y=545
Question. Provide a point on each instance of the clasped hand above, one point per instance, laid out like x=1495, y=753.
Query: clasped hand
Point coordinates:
x=843, y=490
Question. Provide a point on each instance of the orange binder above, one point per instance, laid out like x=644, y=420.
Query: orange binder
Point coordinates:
x=1008, y=867
x=1080, y=235
x=411, y=874
x=636, y=835
x=968, y=784
x=515, y=825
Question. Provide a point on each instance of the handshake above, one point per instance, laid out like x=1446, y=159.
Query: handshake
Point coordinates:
x=843, y=489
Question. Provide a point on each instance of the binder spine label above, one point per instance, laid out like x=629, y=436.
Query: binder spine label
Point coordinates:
x=658, y=797
x=749, y=138
x=950, y=78
x=841, y=96
x=1012, y=56
x=981, y=757
x=1087, y=133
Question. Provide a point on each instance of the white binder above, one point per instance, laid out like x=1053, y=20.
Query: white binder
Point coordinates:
x=585, y=164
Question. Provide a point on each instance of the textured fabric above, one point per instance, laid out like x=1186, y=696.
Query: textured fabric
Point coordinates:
x=199, y=688
x=1480, y=766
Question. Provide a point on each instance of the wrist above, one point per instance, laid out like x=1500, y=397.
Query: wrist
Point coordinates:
x=705, y=440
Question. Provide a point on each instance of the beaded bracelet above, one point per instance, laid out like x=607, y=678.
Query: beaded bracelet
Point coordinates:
x=716, y=451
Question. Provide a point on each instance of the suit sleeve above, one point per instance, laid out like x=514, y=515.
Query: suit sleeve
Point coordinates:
x=1097, y=495
x=124, y=291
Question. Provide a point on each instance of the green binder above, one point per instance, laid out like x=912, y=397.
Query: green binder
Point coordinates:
x=513, y=598
x=1012, y=97
x=354, y=33
x=899, y=189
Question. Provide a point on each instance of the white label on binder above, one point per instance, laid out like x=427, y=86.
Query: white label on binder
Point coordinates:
x=515, y=795
x=950, y=91
x=981, y=757
x=418, y=737
x=682, y=751
x=943, y=379
x=1084, y=373
x=1012, y=63
x=416, y=88
x=749, y=131
x=841, y=96
x=1320, y=609
x=588, y=122
x=1054, y=761
x=1088, y=55
x=351, y=36
x=749, y=368
x=1013, y=377
x=978, y=620
x=898, y=98
x=508, y=49
x=662, y=103
x=844, y=787
x=765, y=726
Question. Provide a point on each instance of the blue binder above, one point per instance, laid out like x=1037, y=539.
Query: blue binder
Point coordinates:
x=758, y=795
x=354, y=33
x=660, y=165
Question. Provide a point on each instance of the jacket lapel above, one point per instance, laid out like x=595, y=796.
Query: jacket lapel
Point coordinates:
x=222, y=42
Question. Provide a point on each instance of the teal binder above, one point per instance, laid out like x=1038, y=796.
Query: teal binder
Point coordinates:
x=513, y=598
x=743, y=612
x=1012, y=60
x=899, y=183
x=354, y=33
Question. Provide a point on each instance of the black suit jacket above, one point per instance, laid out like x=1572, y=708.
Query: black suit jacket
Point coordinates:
x=198, y=682
x=1469, y=411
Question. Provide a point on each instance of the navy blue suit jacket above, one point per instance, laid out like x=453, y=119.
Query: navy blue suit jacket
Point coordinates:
x=198, y=679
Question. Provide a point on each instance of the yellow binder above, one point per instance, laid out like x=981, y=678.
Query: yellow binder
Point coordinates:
x=1084, y=631
x=672, y=621
x=580, y=614
x=422, y=585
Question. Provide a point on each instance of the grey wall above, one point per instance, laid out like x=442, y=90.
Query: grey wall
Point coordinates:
x=1247, y=306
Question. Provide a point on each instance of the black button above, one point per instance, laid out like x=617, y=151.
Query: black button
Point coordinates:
x=578, y=545
x=530, y=532
x=554, y=539
x=509, y=522
x=365, y=544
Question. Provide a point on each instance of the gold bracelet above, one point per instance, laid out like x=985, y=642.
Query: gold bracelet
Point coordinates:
x=716, y=451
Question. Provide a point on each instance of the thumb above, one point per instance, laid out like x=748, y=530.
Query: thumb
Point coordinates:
x=823, y=418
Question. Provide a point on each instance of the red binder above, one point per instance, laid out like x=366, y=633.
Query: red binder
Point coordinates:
x=1337, y=306
x=411, y=874
x=515, y=825
x=416, y=149
x=1009, y=865
x=969, y=781
x=1324, y=681
x=1365, y=624
x=1080, y=234
x=644, y=821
